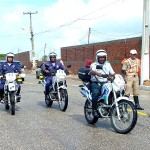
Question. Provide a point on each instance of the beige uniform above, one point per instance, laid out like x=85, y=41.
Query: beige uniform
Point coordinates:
x=132, y=68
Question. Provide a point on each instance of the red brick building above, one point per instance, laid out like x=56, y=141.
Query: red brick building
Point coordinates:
x=117, y=50
x=24, y=57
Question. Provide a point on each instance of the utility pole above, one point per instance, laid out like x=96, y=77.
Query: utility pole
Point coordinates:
x=44, y=49
x=44, y=52
x=89, y=36
x=32, y=39
x=145, y=43
x=18, y=50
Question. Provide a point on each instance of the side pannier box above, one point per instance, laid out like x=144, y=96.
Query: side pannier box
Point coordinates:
x=83, y=74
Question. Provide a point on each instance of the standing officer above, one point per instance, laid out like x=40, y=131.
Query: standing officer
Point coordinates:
x=131, y=69
x=7, y=67
x=50, y=66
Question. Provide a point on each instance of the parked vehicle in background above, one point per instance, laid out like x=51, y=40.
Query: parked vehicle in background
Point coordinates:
x=22, y=75
x=39, y=71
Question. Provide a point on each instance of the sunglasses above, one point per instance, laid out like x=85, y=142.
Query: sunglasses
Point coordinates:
x=52, y=57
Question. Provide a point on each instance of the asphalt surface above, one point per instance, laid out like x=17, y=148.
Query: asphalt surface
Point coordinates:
x=37, y=127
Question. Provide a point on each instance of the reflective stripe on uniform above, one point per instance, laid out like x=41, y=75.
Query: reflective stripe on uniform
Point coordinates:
x=134, y=68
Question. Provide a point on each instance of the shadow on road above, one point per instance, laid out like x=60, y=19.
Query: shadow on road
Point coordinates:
x=101, y=123
x=54, y=105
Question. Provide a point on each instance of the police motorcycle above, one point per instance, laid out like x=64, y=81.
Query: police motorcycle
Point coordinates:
x=111, y=102
x=58, y=90
x=10, y=90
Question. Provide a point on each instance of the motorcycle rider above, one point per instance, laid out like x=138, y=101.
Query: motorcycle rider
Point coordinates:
x=97, y=76
x=7, y=67
x=51, y=66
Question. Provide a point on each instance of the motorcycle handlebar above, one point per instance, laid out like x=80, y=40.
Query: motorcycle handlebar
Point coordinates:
x=52, y=73
x=105, y=75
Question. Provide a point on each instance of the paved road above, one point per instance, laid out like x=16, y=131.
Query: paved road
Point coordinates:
x=36, y=127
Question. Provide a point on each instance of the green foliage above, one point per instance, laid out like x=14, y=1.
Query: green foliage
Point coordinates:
x=2, y=55
x=44, y=58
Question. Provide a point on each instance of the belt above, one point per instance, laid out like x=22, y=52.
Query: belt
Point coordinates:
x=132, y=75
x=99, y=82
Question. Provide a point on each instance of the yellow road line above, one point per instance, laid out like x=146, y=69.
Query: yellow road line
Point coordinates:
x=28, y=82
x=143, y=114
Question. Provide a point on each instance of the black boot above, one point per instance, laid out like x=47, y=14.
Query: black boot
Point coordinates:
x=94, y=109
x=46, y=95
x=18, y=97
x=137, y=105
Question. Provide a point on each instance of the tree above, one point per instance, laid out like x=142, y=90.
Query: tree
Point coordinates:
x=44, y=58
x=2, y=56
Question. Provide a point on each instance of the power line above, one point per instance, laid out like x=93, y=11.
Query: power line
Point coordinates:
x=113, y=35
x=78, y=19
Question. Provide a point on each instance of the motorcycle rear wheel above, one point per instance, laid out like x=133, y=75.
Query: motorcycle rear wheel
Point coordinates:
x=128, y=117
x=63, y=104
x=48, y=102
x=88, y=113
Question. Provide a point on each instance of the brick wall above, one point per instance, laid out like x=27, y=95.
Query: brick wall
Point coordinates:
x=117, y=50
x=24, y=58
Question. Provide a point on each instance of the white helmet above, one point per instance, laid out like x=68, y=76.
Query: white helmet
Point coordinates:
x=101, y=53
x=133, y=51
x=10, y=54
x=52, y=54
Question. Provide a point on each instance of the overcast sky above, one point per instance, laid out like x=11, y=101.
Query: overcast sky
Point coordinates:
x=61, y=23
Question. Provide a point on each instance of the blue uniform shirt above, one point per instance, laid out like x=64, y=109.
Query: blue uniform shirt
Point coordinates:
x=53, y=66
x=8, y=68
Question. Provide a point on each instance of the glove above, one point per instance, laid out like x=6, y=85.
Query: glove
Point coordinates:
x=111, y=78
x=52, y=73
x=67, y=72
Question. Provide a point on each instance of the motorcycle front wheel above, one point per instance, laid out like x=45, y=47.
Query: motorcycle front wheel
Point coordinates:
x=128, y=117
x=88, y=113
x=12, y=102
x=6, y=103
x=63, y=103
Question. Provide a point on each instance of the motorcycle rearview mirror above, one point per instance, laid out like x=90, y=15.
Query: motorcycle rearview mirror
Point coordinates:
x=68, y=66
x=99, y=67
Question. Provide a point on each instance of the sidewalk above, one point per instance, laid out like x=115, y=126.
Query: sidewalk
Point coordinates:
x=143, y=87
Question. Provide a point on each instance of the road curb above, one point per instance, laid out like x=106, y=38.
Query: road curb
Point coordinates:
x=143, y=87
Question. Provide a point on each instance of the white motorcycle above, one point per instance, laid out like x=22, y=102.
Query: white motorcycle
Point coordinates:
x=58, y=90
x=111, y=103
x=10, y=90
